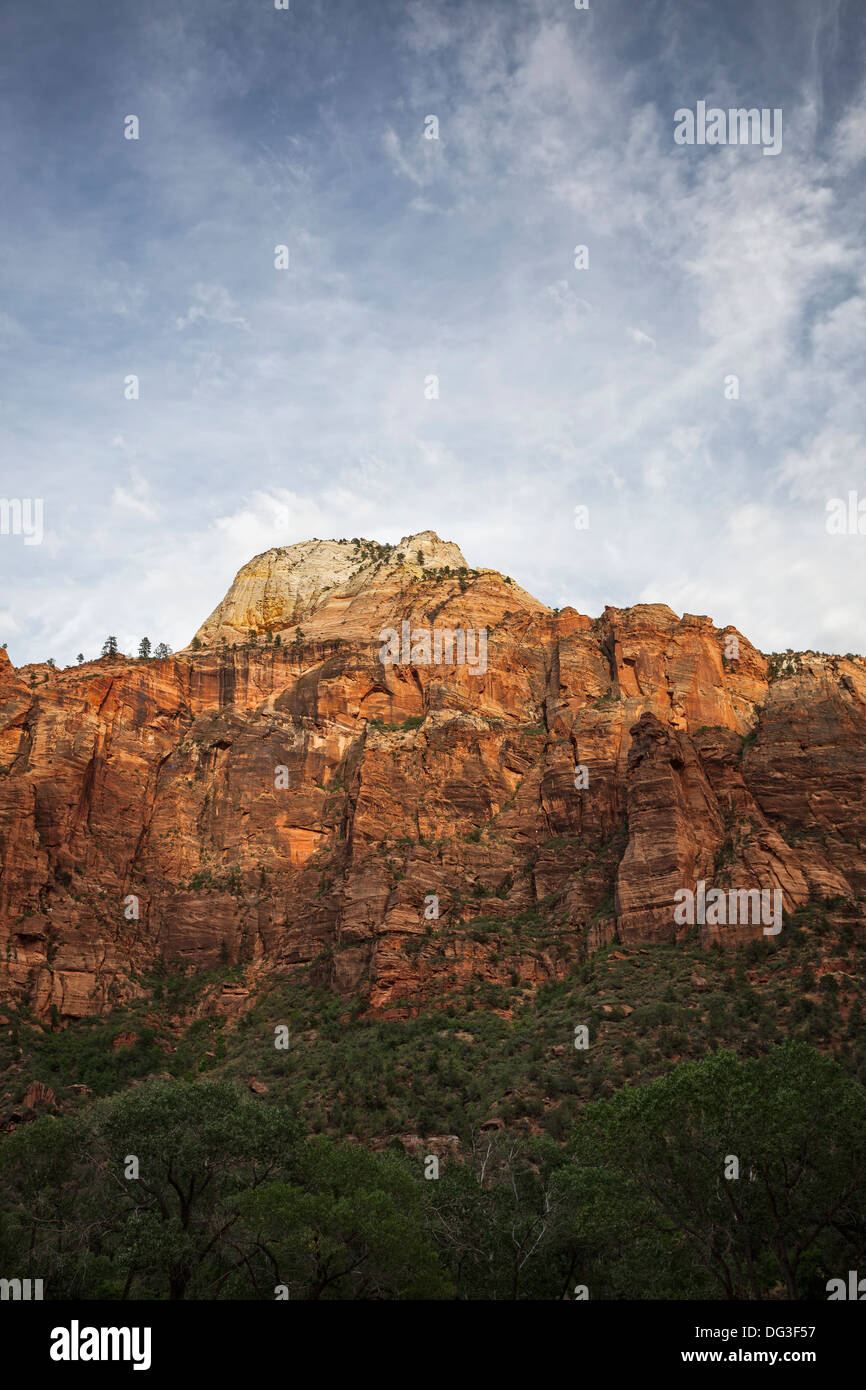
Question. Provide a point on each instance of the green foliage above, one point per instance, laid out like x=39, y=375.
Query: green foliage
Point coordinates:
x=227, y=880
x=605, y=908
x=349, y=1226
x=783, y=664
x=665, y=1224
x=88, y=1056
x=663, y=1220
x=414, y=721
x=610, y=697
x=162, y=1234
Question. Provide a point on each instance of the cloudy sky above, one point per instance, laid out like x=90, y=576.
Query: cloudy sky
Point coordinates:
x=280, y=404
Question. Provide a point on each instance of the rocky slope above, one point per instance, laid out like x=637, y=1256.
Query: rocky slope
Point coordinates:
x=278, y=796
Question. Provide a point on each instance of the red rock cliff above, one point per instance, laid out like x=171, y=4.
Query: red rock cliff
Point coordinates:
x=242, y=801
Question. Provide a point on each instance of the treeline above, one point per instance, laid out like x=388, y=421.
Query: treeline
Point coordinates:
x=723, y=1179
x=145, y=652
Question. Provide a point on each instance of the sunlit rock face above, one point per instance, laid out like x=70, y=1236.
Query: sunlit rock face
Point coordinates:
x=280, y=796
x=329, y=583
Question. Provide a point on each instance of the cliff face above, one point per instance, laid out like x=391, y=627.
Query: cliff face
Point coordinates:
x=251, y=803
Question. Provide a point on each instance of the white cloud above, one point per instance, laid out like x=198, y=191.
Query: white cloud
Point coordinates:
x=135, y=498
x=280, y=406
x=638, y=336
x=392, y=146
x=213, y=304
x=849, y=139
x=828, y=465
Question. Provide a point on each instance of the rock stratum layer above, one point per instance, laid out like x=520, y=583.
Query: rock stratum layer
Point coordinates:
x=277, y=797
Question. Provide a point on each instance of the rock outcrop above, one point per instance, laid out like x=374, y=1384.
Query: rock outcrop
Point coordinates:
x=280, y=797
x=328, y=582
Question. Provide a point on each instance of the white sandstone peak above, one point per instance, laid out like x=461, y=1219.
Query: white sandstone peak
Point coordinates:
x=281, y=586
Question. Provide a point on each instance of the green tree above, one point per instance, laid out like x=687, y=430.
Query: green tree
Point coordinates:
x=502, y=1219
x=349, y=1227
x=144, y=649
x=200, y=1146
x=661, y=1218
x=109, y=646
x=80, y=658
x=47, y=1223
x=162, y=651
x=70, y=1214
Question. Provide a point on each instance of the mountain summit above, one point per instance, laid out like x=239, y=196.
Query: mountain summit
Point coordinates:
x=286, y=586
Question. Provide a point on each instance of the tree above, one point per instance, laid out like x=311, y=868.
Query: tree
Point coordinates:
x=144, y=649
x=43, y=1221
x=661, y=1214
x=71, y=1213
x=80, y=658
x=52, y=663
x=200, y=1146
x=162, y=651
x=109, y=646
x=502, y=1218
x=349, y=1227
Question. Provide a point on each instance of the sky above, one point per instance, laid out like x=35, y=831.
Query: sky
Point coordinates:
x=433, y=357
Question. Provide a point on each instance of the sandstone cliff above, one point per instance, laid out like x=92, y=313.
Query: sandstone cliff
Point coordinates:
x=287, y=801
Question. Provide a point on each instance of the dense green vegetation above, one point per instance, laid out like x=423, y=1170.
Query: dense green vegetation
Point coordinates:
x=559, y=1166
x=485, y=1049
x=413, y=722
x=180, y=1189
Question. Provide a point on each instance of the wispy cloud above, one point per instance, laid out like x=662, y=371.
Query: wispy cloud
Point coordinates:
x=279, y=404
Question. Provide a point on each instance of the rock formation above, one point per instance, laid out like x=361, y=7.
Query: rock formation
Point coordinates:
x=279, y=797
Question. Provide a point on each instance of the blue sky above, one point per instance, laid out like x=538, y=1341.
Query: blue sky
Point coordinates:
x=277, y=405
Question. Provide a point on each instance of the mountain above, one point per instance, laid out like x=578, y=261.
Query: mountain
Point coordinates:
x=280, y=799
